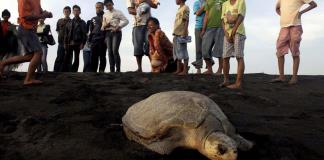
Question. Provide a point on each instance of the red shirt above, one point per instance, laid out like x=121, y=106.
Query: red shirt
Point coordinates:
x=5, y=27
x=28, y=8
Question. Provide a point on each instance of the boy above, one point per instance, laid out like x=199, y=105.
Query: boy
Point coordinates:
x=290, y=34
x=233, y=14
x=74, y=40
x=29, y=14
x=180, y=51
x=199, y=11
x=213, y=35
x=60, y=29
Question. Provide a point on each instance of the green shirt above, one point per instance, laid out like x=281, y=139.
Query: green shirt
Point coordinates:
x=230, y=14
x=214, y=9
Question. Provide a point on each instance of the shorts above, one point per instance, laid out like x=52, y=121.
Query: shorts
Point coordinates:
x=212, y=43
x=180, y=50
x=289, y=38
x=28, y=41
x=235, y=49
x=140, y=41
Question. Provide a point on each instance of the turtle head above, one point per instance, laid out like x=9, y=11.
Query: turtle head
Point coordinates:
x=219, y=146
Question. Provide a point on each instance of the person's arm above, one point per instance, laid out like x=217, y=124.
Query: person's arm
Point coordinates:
x=157, y=41
x=240, y=18
x=226, y=33
x=186, y=20
x=123, y=20
x=239, y=21
x=152, y=5
x=311, y=6
x=204, y=25
x=278, y=8
x=198, y=11
x=58, y=26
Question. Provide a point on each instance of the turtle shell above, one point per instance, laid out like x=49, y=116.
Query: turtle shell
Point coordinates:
x=154, y=116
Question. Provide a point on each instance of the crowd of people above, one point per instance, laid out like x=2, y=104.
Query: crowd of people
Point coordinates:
x=219, y=33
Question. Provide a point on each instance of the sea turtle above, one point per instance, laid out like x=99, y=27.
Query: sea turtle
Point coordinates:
x=169, y=120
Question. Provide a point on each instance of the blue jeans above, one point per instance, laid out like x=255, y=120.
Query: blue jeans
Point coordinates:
x=113, y=40
x=87, y=60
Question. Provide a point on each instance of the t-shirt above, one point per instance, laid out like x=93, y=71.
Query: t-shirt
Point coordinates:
x=230, y=14
x=28, y=8
x=290, y=12
x=141, y=20
x=199, y=19
x=180, y=22
x=214, y=8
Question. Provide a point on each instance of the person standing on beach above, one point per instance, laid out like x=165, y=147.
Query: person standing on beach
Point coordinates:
x=290, y=34
x=140, y=34
x=113, y=22
x=213, y=35
x=199, y=11
x=8, y=42
x=43, y=31
x=60, y=29
x=180, y=31
x=29, y=14
x=97, y=40
x=233, y=14
x=74, y=40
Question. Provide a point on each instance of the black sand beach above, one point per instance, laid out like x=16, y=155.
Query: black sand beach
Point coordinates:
x=78, y=116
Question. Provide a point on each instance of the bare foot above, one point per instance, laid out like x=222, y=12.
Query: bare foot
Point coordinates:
x=235, y=86
x=278, y=80
x=183, y=73
x=208, y=72
x=224, y=84
x=32, y=82
x=293, y=81
x=218, y=73
x=176, y=72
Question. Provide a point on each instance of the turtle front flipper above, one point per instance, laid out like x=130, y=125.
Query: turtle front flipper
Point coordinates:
x=243, y=144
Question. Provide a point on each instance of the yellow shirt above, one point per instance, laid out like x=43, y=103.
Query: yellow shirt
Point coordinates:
x=290, y=12
x=182, y=18
x=230, y=14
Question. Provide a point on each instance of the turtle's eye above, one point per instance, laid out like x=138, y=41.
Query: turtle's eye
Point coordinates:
x=222, y=149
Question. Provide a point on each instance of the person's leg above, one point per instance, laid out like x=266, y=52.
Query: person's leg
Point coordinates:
x=116, y=43
x=294, y=78
x=30, y=76
x=102, y=57
x=59, y=59
x=75, y=66
x=218, y=49
x=185, y=68
x=199, y=62
x=220, y=66
x=14, y=60
x=240, y=73
x=296, y=37
x=207, y=47
x=139, y=43
x=67, y=63
x=226, y=68
x=109, y=43
x=44, y=58
x=282, y=49
x=185, y=56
